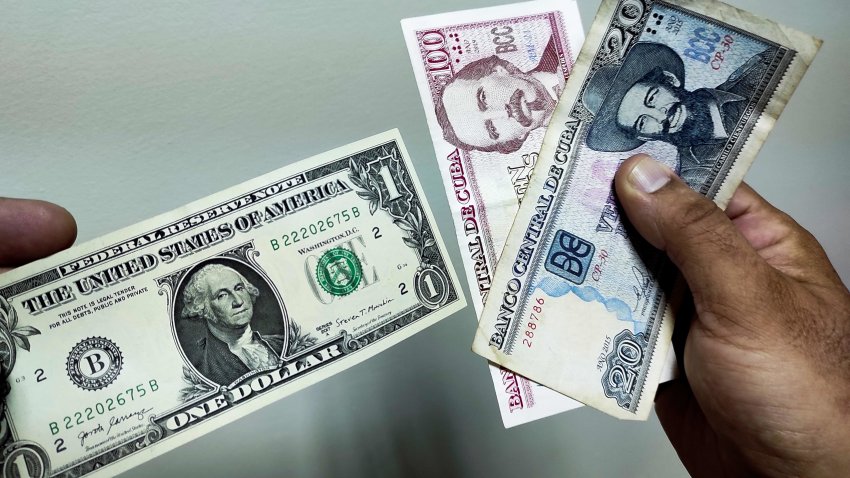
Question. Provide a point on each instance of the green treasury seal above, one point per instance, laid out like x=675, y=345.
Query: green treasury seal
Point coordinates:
x=339, y=271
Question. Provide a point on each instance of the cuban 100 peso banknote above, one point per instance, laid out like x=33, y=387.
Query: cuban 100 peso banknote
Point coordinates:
x=576, y=304
x=489, y=80
x=166, y=330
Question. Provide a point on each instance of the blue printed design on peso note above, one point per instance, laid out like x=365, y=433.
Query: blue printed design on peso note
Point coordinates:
x=569, y=257
x=687, y=81
x=557, y=288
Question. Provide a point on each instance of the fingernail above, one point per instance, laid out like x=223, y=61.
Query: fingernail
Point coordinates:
x=648, y=175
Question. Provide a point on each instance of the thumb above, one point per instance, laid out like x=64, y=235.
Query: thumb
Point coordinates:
x=30, y=230
x=715, y=259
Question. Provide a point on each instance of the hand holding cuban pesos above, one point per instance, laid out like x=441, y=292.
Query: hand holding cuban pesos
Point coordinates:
x=766, y=358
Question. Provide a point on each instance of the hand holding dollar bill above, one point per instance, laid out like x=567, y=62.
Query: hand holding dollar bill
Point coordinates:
x=168, y=329
x=577, y=303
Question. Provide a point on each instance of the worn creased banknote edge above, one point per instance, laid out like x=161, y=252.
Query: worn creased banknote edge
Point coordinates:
x=806, y=48
x=143, y=454
x=528, y=401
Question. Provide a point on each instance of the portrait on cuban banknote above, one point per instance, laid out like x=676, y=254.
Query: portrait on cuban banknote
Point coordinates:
x=492, y=105
x=646, y=99
x=228, y=321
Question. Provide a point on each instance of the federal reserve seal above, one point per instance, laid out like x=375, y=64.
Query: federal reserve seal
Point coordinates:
x=339, y=271
x=94, y=363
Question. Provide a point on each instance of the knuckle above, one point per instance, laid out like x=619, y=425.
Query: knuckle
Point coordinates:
x=800, y=236
x=697, y=215
x=792, y=228
x=730, y=322
x=744, y=315
x=700, y=225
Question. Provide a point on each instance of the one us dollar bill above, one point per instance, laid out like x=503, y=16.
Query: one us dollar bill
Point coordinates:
x=576, y=304
x=166, y=330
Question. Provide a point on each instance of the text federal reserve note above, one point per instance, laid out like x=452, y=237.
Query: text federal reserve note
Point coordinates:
x=127, y=346
x=576, y=304
x=489, y=80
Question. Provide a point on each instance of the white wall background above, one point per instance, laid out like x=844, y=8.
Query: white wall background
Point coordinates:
x=121, y=110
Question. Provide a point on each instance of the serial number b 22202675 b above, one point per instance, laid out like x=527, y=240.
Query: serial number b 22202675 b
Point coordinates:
x=321, y=225
x=107, y=405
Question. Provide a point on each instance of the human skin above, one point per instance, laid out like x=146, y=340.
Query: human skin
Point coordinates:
x=767, y=357
x=30, y=230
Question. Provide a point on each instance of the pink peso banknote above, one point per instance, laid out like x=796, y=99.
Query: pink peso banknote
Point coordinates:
x=489, y=80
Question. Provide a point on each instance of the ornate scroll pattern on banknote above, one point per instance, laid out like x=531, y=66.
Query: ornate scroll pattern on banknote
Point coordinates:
x=153, y=335
x=489, y=80
x=12, y=337
x=580, y=306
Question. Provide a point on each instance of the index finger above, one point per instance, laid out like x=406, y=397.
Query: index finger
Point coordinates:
x=778, y=239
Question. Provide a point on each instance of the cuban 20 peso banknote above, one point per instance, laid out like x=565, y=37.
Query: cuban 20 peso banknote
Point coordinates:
x=575, y=303
x=489, y=80
x=168, y=329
